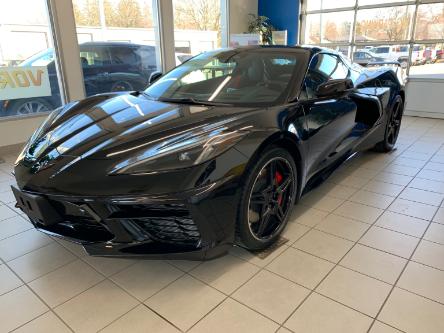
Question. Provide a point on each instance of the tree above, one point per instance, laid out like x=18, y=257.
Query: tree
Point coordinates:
x=147, y=16
x=201, y=15
x=430, y=22
x=197, y=14
x=314, y=32
x=331, y=32
x=127, y=14
x=87, y=14
x=389, y=24
x=396, y=26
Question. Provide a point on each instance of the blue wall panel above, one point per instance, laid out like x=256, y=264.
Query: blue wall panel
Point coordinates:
x=283, y=14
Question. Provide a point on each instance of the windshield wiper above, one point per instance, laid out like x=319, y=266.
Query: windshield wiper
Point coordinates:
x=190, y=100
x=141, y=92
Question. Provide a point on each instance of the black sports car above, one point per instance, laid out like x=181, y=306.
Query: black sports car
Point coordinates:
x=215, y=152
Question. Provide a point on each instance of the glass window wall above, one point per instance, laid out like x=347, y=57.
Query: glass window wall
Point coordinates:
x=408, y=31
x=28, y=77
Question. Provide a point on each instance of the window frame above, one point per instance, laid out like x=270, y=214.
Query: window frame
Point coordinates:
x=354, y=44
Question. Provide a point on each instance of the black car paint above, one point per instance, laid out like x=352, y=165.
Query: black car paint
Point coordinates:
x=103, y=130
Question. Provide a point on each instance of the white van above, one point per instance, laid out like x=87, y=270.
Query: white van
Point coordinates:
x=400, y=53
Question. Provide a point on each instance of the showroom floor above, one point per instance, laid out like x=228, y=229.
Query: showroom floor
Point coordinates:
x=365, y=252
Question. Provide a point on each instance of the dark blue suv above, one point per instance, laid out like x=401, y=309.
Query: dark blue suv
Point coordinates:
x=107, y=66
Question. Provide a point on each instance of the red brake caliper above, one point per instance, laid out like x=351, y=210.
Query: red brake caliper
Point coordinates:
x=278, y=177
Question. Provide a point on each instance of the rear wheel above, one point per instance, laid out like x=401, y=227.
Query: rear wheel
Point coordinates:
x=392, y=127
x=267, y=199
x=122, y=86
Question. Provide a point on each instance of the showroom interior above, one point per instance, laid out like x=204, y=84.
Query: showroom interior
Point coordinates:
x=361, y=250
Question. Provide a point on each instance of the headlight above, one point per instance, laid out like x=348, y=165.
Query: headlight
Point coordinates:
x=43, y=127
x=182, y=150
x=38, y=132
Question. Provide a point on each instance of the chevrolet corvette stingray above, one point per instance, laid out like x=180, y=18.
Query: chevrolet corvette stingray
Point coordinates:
x=213, y=153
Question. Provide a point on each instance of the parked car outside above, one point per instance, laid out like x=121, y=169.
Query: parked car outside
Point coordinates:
x=400, y=53
x=107, y=66
x=364, y=57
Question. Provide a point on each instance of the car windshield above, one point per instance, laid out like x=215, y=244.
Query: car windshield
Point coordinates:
x=43, y=58
x=235, y=77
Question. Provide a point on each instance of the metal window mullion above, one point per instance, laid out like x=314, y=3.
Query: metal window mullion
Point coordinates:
x=388, y=4
x=384, y=42
x=66, y=47
x=299, y=24
x=165, y=27
x=353, y=32
x=225, y=22
x=429, y=1
x=303, y=18
x=356, y=6
x=330, y=10
x=412, y=38
x=428, y=41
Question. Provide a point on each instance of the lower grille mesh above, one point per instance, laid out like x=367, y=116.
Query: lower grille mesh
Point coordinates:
x=164, y=222
x=170, y=229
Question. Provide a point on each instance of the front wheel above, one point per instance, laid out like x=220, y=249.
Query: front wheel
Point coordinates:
x=392, y=127
x=268, y=197
x=27, y=107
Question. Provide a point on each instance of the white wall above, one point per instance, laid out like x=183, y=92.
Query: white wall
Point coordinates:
x=16, y=131
x=239, y=10
x=424, y=97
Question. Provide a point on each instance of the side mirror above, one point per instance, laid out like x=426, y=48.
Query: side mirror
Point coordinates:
x=154, y=76
x=334, y=87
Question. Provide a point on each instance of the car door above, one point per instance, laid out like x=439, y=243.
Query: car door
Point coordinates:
x=96, y=63
x=126, y=72
x=148, y=64
x=329, y=120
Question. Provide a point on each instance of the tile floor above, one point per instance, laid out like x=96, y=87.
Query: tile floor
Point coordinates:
x=365, y=254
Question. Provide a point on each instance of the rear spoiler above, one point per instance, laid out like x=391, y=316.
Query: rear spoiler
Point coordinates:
x=398, y=70
x=382, y=63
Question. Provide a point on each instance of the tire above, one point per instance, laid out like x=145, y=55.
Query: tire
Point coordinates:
x=122, y=86
x=266, y=201
x=29, y=106
x=392, y=127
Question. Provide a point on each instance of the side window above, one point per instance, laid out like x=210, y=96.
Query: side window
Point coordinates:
x=323, y=67
x=123, y=56
x=94, y=57
x=147, y=55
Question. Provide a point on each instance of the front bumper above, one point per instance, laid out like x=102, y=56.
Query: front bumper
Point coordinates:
x=196, y=224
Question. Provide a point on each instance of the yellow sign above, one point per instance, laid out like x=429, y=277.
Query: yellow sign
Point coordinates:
x=24, y=82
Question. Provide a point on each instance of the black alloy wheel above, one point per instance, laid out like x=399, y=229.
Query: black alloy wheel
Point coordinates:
x=268, y=199
x=394, y=123
x=393, y=126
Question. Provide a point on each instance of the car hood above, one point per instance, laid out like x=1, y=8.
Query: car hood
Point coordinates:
x=99, y=126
